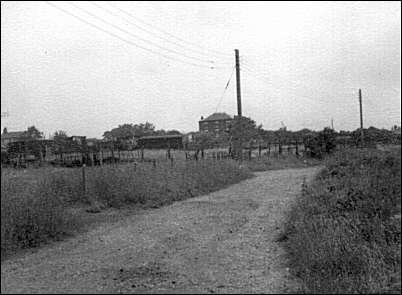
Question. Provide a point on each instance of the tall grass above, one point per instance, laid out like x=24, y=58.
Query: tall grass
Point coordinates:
x=344, y=234
x=30, y=214
x=35, y=203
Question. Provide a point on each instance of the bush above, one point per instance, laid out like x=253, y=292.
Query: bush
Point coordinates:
x=344, y=234
x=322, y=143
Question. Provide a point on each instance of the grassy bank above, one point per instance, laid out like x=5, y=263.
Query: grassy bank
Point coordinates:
x=344, y=234
x=35, y=203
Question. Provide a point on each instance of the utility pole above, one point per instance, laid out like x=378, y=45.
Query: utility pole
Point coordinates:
x=4, y=115
x=238, y=82
x=332, y=123
x=361, y=117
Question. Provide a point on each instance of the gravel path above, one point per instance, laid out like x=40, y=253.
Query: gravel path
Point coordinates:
x=224, y=242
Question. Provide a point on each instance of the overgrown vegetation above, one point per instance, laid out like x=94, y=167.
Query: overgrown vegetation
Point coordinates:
x=35, y=203
x=320, y=144
x=344, y=234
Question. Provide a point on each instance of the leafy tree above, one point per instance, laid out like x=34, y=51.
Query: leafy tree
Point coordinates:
x=60, y=134
x=144, y=129
x=32, y=133
x=60, y=139
x=128, y=131
x=173, y=132
x=321, y=143
x=204, y=140
x=243, y=130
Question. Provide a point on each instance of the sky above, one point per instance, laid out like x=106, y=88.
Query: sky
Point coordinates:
x=86, y=68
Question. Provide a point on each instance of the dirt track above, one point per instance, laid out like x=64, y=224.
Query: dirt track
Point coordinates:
x=224, y=242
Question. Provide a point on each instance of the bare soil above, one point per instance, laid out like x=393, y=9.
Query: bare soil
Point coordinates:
x=223, y=242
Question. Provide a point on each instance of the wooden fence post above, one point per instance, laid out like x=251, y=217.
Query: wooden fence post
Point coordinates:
x=84, y=189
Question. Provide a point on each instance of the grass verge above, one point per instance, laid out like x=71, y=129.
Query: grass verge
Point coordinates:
x=35, y=203
x=344, y=234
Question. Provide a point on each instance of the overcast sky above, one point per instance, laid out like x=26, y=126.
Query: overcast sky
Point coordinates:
x=302, y=63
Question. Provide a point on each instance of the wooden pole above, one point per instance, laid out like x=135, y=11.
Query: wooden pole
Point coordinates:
x=361, y=117
x=238, y=82
x=83, y=179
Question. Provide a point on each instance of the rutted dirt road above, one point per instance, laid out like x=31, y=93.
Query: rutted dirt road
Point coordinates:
x=224, y=242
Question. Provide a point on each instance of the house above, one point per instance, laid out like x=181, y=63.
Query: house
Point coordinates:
x=217, y=123
x=396, y=130
x=9, y=137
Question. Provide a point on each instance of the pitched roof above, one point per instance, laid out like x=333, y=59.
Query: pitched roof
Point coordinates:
x=218, y=116
x=14, y=134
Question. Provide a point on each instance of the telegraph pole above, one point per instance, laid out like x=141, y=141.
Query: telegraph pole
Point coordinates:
x=238, y=82
x=361, y=117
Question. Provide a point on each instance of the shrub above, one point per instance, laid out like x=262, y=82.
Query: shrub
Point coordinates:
x=322, y=143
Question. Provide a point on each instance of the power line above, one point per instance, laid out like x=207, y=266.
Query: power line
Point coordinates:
x=198, y=52
x=167, y=33
x=129, y=41
x=224, y=91
x=140, y=38
x=294, y=84
x=265, y=80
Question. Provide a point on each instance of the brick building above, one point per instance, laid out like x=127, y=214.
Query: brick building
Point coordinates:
x=217, y=123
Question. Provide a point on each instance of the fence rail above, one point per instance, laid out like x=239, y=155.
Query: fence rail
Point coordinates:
x=112, y=156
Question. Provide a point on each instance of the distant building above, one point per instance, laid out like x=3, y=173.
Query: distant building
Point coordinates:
x=92, y=141
x=189, y=137
x=396, y=130
x=9, y=137
x=78, y=139
x=217, y=123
